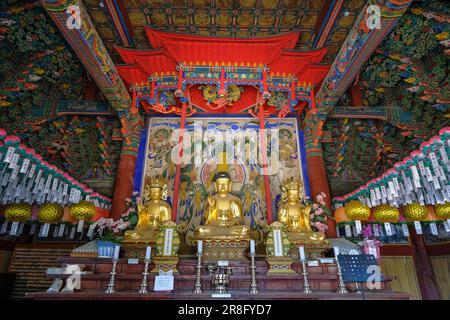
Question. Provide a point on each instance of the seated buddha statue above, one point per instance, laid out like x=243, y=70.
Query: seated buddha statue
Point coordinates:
x=294, y=214
x=223, y=217
x=152, y=212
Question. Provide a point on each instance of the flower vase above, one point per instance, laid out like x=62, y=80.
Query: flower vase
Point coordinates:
x=105, y=249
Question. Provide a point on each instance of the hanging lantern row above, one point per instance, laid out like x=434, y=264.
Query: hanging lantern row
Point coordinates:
x=423, y=178
x=26, y=178
x=355, y=212
x=18, y=214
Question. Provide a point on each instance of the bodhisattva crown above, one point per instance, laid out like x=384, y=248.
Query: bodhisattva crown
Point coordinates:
x=156, y=182
x=293, y=184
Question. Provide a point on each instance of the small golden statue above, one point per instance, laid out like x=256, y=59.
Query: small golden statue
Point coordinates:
x=153, y=212
x=295, y=215
x=223, y=217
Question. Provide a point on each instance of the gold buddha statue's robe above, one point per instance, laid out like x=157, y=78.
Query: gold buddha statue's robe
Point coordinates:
x=295, y=215
x=223, y=218
x=154, y=212
x=150, y=217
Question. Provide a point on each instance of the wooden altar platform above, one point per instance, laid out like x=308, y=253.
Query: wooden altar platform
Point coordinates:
x=323, y=280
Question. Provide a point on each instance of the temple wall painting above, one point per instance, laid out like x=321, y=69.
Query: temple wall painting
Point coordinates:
x=205, y=148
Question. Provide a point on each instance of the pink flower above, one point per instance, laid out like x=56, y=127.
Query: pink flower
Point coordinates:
x=315, y=206
x=311, y=216
x=319, y=198
x=318, y=212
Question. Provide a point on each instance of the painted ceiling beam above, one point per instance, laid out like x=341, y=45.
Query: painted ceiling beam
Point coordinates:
x=73, y=21
x=120, y=20
x=327, y=19
x=357, y=48
x=391, y=114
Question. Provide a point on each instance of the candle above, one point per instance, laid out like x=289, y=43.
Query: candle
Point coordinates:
x=336, y=252
x=116, y=252
x=148, y=253
x=252, y=246
x=301, y=250
x=199, y=246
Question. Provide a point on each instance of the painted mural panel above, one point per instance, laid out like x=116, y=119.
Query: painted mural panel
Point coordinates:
x=217, y=144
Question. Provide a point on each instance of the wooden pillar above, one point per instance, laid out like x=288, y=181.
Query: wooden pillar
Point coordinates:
x=263, y=143
x=176, y=184
x=425, y=274
x=355, y=95
x=318, y=182
x=123, y=185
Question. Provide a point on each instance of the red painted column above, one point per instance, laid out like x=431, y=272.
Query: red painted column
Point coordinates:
x=262, y=139
x=176, y=184
x=123, y=185
x=318, y=182
x=355, y=95
x=425, y=275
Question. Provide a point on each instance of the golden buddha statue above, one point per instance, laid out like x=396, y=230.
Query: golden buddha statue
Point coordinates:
x=152, y=212
x=223, y=216
x=294, y=214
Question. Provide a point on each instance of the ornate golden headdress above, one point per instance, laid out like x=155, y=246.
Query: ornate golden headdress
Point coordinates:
x=156, y=182
x=291, y=184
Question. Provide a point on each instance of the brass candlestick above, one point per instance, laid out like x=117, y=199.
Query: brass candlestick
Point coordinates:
x=143, y=288
x=341, y=286
x=253, y=285
x=306, y=286
x=198, y=278
x=112, y=280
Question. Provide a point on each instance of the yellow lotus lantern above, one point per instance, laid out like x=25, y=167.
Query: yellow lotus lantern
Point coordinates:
x=386, y=213
x=340, y=216
x=355, y=210
x=83, y=210
x=20, y=212
x=443, y=210
x=50, y=213
x=415, y=212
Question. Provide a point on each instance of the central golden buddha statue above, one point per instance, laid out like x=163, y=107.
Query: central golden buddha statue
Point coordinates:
x=295, y=215
x=152, y=212
x=223, y=217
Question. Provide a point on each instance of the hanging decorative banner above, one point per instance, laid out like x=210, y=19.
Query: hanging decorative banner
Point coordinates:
x=421, y=177
x=358, y=227
x=405, y=230
x=446, y=226
x=387, y=227
x=26, y=178
x=418, y=227
x=376, y=231
x=434, y=229
x=348, y=231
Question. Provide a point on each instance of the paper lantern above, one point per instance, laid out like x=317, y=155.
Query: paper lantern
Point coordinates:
x=442, y=210
x=415, y=212
x=340, y=216
x=83, y=210
x=50, y=213
x=355, y=210
x=386, y=213
x=20, y=212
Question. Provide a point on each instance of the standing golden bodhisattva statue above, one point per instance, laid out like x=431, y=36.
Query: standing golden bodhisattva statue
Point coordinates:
x=153, y=212
x=223, y=217
x=294, y=214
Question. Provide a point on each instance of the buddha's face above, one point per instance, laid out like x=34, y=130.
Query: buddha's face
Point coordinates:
x=155, y=193
x=223, y=185
x=293, y=195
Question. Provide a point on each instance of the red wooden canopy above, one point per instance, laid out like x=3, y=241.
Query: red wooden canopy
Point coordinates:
x=171, y=49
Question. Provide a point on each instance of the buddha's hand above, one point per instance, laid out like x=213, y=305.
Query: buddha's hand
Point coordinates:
x=211, y=201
